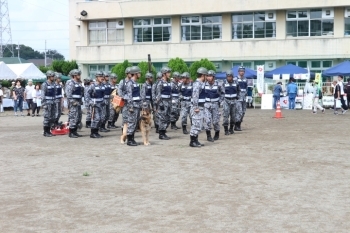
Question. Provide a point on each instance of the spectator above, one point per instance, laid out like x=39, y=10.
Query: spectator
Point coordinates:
x=36, y=100
x=348, y=92
x=292, y=90
x=340, y=94
x=250, y=97
x=11, y=90
x=18, y=97
x=277, y=91
x=28, y=95
x=335, y=93
x=317, y=93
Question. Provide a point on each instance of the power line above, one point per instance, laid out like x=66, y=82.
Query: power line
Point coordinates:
x=38, y=21
x=35, y=30
x=60, y=2
x=43, y=8
x=42, y=39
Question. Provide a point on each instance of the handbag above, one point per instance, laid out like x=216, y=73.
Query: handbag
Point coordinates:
x=25, y=105
x=38, y=102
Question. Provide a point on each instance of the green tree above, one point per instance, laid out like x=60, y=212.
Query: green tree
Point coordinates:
x=178, y=64
x=68, y=66
x=144, y=69
x=57, y=65
x=201, y=63
x=27, y=52
x=45, y=69
x=119, y=69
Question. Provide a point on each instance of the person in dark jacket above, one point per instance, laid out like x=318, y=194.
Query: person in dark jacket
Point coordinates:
x=277, y=90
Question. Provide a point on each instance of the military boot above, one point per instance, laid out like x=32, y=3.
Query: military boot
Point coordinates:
x=103, y=128
x=231, y=129
x=226, y=130
x=198, y=141
x=71, y=133
x=76, y=133
x=173, y=126
x=209, y=138
x=47, y=132
x=88, y=124
x=238, y=126
x=131, y=142
x=193, y=142
x=216, y=137
x=111, y=124
x=162, y=135
x=157, y=128
x=184, y=130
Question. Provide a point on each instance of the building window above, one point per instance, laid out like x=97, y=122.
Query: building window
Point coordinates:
x=314, y=65
x=347, y=26
x=94, y=68
x=246, y=64
x=253, y=25
x=316, y=22
x=206, y=27
x=152, y=30
x=302, y=64
x=102, y=32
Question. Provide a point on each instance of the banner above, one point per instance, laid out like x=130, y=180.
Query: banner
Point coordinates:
x=260, y=79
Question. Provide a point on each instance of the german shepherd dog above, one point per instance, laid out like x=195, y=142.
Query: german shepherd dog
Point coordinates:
x=144, y=125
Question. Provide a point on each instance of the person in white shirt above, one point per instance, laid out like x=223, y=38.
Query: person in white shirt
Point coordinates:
x=28, y=95
x=36, y=94
x=317, y=92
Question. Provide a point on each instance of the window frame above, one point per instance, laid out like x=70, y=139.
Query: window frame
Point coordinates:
x=152, y=25
x=106, y=29
x=309, y=19
x=200, y=24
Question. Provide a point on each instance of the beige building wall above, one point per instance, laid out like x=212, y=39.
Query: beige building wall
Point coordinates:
x=278, y=49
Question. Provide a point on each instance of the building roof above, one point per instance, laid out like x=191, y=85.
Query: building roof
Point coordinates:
x=13, y=60
x=40, y=62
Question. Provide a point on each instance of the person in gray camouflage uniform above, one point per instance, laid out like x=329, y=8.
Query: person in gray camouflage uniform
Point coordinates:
x=106, y=101
x=197, y=108
x=146, y=90
x=74, y=100
x=232, y=90
x=95, y=98
x=154, y=95
x=58, y=98
x=48, y=91
x=175, y=101
x=241, y=105
x=185, y=97
x=122, y=92
x=214, y=95
x=133, y=104
x=113, y=115
x=87, y=83
x=163, y=102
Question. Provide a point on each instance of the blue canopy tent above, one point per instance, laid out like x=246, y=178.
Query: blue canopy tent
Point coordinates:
x=288, y=69
x=249, y=73
x=340, y=69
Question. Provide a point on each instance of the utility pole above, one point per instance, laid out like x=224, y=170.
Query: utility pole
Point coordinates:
x=45, y=54
x=5, y=29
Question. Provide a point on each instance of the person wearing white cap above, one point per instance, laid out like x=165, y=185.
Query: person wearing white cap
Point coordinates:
x=28, y=95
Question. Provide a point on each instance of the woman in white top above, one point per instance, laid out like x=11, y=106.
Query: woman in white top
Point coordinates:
x=36, y=94
x=316, y=92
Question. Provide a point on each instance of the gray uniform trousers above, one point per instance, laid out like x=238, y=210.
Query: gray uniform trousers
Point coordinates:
x=75, y=115
x=133, y=118
x=106, y=110
x=88, y=112
x=49, y=113
x=125, y=114
x=175, y=110
x=229, y=112
x=164, y=111
x=96, y=115
x=197, y=121
x=185, y=111
x=212, y=116
x=58, y=109
x=241, y=107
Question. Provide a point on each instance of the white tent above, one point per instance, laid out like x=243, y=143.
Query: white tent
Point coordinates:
x=26, y=71
x=6, y=72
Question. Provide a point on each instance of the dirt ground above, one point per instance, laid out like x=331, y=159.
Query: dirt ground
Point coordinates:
x=278, y=175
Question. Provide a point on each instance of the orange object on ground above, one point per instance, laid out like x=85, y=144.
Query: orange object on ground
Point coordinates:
x=61, y=130
x=118, y=101
x=278, y=113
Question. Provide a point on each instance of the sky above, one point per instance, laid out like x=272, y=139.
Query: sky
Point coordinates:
x=34, y=21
